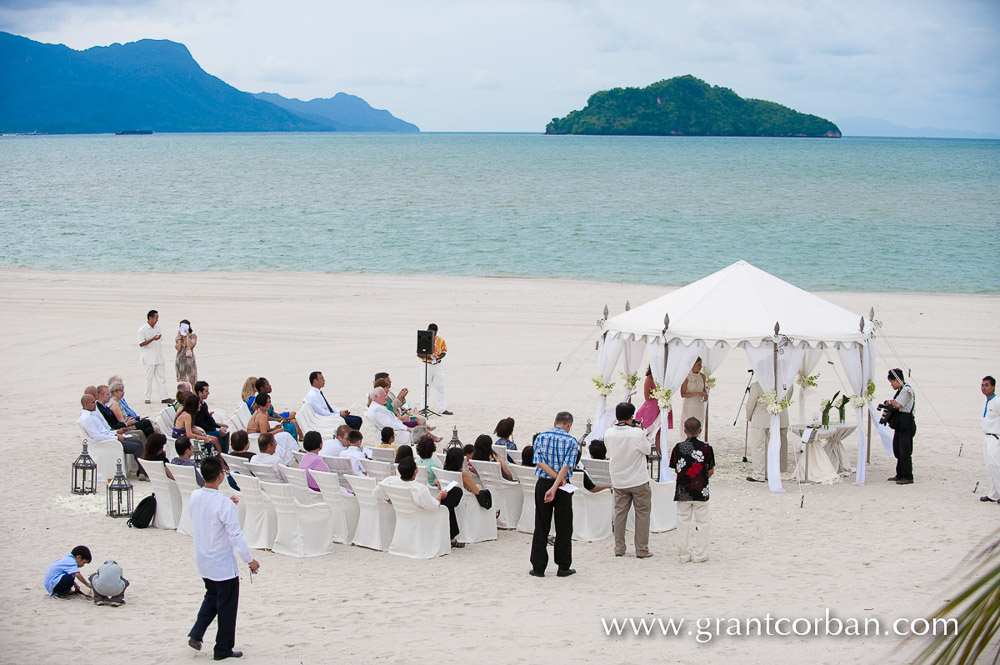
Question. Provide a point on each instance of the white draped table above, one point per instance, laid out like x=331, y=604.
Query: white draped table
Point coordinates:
x=826, y=455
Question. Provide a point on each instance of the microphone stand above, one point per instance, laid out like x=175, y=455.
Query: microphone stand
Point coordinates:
x=746, y=429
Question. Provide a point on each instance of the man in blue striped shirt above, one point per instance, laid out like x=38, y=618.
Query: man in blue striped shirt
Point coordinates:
x=555, y=457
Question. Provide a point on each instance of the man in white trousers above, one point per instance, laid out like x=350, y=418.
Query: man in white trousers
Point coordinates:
x=151, y=356
x=760, y=432
x=435, y=373
x=991, y=437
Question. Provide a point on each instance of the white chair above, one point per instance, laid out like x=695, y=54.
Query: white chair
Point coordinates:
x=106, y=455
x=300, y=486
x=310, y=420
x=168, y=497
x=263, y=471
x=505, y=453
x=419, y=533
x=422, y=475
x=298, y=455
x=593, y=512
x=236, y=464
x=342, y=467
x=376, y=521
x=439, y=457
x=475, y=523
x=164, y=423
x=260, y=523
x=344, y=511
x=378, y=470
x=663, y=514
x=599, y=470
x=240, y=417
x=187, y=482
x=384, y=455
x=303, y=530
x=526, y=477
x=507, y=494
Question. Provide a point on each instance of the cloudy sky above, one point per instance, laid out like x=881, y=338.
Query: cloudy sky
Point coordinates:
x=512, y=65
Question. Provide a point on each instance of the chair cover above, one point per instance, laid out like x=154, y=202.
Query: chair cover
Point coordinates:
x=507, y=496
x=342, y=467
x=187, y=482
x=168, y=497
x=263, y=471
x=593, y=513
x=419, y=533
x=475, y=523
x=303, y=530
x=343, y=506
x=310, y=420
x=599, y=470
x=376, y=519
x=378, y=470
x=384, y=455
x=526, y=478
x=260, y=523
x=236, y=463
x=300, y=486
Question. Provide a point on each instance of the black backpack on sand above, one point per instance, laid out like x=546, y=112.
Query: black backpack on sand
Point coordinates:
x=143, y=514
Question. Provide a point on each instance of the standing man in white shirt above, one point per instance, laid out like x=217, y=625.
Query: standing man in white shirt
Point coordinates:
x=991, y=437
x=216, y=534
x=627, y=449
x=321, y=407
x=151, y=356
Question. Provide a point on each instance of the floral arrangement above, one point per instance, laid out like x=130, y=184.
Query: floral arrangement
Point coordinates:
x=842, y=407
x=709, y=383
x=826, y=405
x=629, y=380
x=870, y=390
x=806, y=381
x=662, y=396
x=604, y=389
x=769, y=399
x=858, y=402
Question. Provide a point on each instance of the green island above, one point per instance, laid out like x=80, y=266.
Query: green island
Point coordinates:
x=687, y=106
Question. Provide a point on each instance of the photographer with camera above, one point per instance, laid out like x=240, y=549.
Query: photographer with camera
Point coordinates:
x=897, y=413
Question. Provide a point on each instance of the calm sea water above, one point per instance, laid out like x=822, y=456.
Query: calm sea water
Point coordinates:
x=847, y=214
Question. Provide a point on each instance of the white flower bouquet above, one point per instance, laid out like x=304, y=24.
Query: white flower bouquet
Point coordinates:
x=662, y=396
x=858, y=402
x=629, y=380
x=806, y=381
x=770, y=400
x=603, y=389
x=709, y=383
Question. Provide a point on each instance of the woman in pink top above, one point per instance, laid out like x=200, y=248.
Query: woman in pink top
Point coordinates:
x=312, y=442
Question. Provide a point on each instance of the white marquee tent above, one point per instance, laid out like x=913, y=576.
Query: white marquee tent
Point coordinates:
x=782, y=329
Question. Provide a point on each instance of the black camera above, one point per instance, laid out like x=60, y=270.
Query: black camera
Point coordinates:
x=888, y=412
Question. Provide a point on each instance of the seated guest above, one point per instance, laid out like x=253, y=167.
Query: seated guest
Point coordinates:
x=403, y=452
x=589, y=484
x=183, y=387
x=116, y=392
x=249, y=391
x=127, y=410
x=204, y=419
x=335, y=447
x=354, y=452
x=528, y=456
x=597, y=449
x=454, y=460
x=504, y=430
x=96, y=427
x=287, y=418
x=154, y=448
x=321, y=407
x=259, y=424
x=423, y=499
x=267, y=455
x=184, y=458
x=103, y=396
x=381, y=417
x=312, y=442
x=388, y=438
x=184, y=422
x=483, y=452
x=396, y=403
x=425, y=457
x=240, y=445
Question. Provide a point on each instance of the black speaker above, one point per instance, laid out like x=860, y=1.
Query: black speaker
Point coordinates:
x=425, y=342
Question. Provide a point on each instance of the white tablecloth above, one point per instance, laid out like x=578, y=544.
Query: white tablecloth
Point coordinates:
x=827, y=456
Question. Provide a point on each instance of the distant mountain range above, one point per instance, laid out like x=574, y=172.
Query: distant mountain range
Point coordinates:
x=687, y=106
x=153, y=85
x=862, y=126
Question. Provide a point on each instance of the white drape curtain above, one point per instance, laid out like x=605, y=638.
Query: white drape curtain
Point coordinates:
x=607, y=360
x=680, y=358
x=762, y=361
x=851, y=359
x=633, y=352
x=789, y=361
x=809, y=362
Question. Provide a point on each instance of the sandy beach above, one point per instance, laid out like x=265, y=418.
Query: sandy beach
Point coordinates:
x=880, y=550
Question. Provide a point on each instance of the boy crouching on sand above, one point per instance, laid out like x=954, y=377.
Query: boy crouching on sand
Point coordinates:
x=109, y=585
x=61, y=576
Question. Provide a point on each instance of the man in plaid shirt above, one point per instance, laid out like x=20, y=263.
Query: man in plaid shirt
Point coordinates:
x=555, y=457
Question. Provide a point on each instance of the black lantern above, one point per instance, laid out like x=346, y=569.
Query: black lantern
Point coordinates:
x=119, y=495
x=653, y=459
x=197, y=452
x=454, y=443
x=84, y=478
x=582, y=442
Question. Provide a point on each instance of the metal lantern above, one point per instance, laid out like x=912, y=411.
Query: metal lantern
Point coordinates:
x=582, y=442
x=653, y=460
x=197, y=452
x=84, y=478
x=119, y=494
x=454, y=443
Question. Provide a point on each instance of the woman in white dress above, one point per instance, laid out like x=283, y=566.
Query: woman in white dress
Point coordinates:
x=695, y=395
